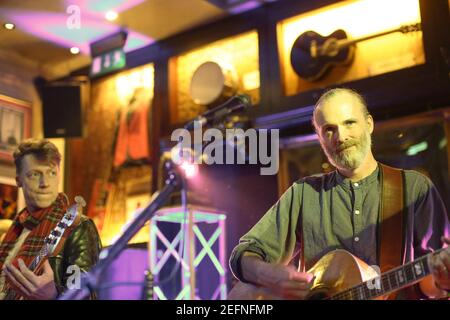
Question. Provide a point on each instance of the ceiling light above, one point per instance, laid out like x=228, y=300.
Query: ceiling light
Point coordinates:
x=9, y=25
x=111, y=15
x=74, y=50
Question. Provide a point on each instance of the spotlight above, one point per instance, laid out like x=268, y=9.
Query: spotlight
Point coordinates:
x=111, y=15
x=190, y=169
x=186, y=159
x=9, y=26
x=74, y=50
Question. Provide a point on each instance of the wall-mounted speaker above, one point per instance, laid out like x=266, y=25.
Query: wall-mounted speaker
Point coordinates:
x=63, y=105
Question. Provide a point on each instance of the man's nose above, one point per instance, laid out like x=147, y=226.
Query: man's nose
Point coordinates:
x=43, y=182
x=341, y=134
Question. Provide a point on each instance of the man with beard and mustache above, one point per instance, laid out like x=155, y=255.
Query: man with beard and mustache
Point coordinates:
x=37, y=173
x=340, y=210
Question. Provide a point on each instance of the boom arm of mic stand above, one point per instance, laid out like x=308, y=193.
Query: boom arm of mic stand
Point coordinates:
x=90, y=280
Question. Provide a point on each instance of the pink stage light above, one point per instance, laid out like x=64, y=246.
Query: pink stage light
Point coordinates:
x=190, y=169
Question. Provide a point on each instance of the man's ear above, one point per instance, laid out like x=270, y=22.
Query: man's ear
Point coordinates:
x=18, y=182
x=370, y=123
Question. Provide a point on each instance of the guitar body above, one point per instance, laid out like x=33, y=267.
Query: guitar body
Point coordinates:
x=311, y=64
x=336, y=271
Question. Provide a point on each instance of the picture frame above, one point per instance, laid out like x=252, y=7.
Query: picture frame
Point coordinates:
x=11, y=202
x=9, y=191
x=15, y=125
x=9, y=198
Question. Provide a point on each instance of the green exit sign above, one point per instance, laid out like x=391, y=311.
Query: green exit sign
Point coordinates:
x=108, y=62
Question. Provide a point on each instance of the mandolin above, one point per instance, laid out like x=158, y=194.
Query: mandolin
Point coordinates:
x=339, y=275
x=52, y=244
x=312, y=55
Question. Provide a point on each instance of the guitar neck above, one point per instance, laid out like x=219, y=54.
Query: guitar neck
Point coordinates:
x=393, y=280
x=349, y=42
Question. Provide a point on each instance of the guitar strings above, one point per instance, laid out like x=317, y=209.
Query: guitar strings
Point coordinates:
x=385, y=279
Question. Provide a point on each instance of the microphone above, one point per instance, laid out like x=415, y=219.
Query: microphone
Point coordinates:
x=234, y=104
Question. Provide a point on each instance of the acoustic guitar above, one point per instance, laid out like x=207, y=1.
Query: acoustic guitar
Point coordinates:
x=339, y=275
x=52, y=244
x=312, y=55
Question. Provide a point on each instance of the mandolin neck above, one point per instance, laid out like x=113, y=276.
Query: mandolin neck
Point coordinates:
x=393, y=280
x=39, y=258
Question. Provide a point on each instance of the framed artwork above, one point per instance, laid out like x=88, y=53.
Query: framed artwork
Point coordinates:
x=9, y=195
x=15, y=125
x=11, y=201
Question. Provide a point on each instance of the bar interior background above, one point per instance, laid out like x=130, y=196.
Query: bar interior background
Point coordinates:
x=73, y=72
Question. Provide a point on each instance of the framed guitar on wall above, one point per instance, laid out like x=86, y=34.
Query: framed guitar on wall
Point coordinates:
x=349, y=41
x=313, y=55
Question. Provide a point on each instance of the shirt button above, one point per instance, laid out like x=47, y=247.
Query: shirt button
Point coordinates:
x=356, y=211
x=356, y=184
x=356, y=239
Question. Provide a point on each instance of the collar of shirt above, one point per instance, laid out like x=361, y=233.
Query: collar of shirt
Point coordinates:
x=348, y=184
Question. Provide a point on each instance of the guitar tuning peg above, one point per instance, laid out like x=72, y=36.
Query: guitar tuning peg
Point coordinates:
x=80, y=201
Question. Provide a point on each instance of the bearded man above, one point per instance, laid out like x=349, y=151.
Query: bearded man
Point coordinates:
x=343, y=209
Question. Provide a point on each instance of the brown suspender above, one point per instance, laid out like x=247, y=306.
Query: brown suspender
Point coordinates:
x=390, y=236
x=390, y=226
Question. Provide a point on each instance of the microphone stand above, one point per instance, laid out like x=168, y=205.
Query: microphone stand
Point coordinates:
x=91, y=280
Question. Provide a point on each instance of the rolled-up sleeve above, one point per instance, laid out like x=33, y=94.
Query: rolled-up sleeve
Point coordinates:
x=428, y=223
x=431, y=220
x=274, y=237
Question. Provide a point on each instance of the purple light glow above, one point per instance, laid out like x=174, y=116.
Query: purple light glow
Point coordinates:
x=53, y=28
x=128, y=267
x=246, y=6
x=100, y=7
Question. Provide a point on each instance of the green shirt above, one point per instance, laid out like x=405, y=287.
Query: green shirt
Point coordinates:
x=338, y=214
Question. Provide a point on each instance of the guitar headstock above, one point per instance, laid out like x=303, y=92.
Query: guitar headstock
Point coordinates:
x=410, y=28
x=71, y=215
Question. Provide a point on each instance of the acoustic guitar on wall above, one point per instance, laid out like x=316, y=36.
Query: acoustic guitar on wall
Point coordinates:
x=312, y=55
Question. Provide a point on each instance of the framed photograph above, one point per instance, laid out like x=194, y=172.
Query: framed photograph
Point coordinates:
x=15, y=125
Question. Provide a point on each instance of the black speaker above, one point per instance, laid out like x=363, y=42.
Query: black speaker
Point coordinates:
x=63, y=105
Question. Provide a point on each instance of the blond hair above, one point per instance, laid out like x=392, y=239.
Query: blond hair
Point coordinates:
x=42, y=149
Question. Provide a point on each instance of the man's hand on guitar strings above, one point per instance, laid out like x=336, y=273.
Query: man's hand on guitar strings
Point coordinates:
x=440, y=265
x=29, y=285
x=287, y=282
